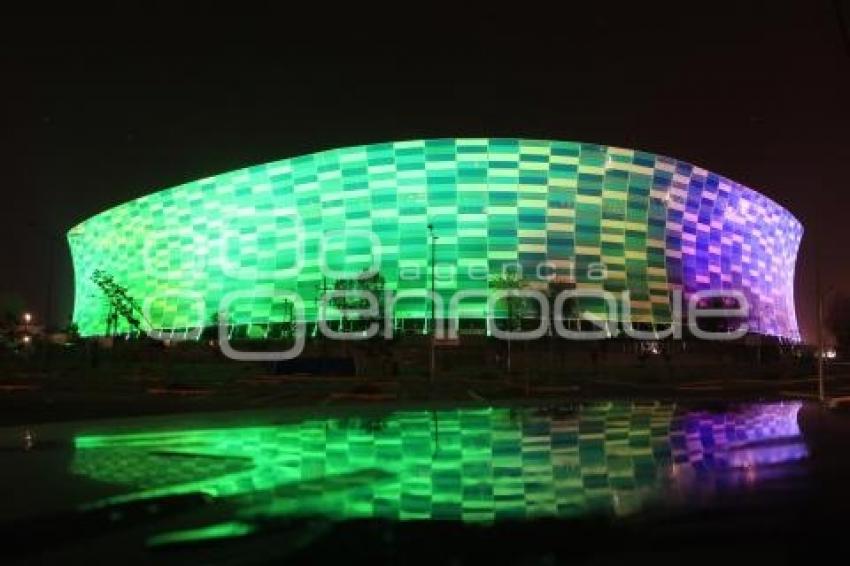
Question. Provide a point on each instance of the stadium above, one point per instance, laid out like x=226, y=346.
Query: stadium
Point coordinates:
x=441, y=215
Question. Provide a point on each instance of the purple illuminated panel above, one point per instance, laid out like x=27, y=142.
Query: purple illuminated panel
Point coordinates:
x=723, y=235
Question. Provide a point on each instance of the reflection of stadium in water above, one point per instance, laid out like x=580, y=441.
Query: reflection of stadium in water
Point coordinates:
x=470, y=464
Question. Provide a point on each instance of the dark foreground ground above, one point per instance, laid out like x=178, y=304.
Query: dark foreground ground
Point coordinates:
x=798, y=517
x=137, y=377
x=27, y=399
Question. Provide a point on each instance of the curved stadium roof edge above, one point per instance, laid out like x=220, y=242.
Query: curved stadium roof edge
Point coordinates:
x=334, y=149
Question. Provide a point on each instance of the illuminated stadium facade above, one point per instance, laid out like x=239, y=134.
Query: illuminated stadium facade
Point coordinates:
x=587, y=216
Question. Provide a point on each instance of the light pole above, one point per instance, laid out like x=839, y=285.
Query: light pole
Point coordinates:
x=821, y=298
x=48, y=234
x=510, y=331
x=432, y=364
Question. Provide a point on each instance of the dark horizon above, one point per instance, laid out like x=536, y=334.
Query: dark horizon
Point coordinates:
x=757, y=93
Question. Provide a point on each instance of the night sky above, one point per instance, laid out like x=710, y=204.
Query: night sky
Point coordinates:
x=758, y=92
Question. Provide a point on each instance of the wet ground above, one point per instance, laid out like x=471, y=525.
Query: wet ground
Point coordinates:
x=571, y=482
x=38, y=399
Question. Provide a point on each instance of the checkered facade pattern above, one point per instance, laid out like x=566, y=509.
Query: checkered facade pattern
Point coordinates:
x=548, y=209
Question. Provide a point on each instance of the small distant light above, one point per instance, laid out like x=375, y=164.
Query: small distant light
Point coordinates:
x=27, y=339
x=827, y=353
x=27, y=317
x=29, y=439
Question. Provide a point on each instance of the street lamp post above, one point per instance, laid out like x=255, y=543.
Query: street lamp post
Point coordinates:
x=822, y=296
x=821, y=393
x=50, y=235
x=432, y=363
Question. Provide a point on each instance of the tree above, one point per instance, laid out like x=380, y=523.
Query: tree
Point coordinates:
x=516, y=306
x=569, y=308
x=120, y=303
x=567, y=312
x=349, y=295
x=286, y=310
x=11, y=308
x=343, y=300
x=373, y=283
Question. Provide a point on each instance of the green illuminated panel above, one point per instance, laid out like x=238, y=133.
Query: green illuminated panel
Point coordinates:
x=656, y=224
